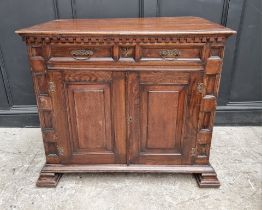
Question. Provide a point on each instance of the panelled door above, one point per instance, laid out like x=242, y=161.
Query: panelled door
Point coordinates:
x=92, y=126
x=163, y=112
x=90, y=109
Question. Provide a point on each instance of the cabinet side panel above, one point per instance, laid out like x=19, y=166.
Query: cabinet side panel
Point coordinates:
x=44, y=104
x=213, y=59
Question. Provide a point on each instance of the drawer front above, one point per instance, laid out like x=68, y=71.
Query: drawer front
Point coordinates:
x=118, y=55
x=82, y=52
x=170, y=53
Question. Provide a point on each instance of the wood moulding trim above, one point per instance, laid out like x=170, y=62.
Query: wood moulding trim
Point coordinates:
x=225, y=10
x=141, y=8
x=158, y=4
x=73, y=9
x=244, y=106
x=20, y=109
x=110, y=40
x=6, y=82
x=236, y=50
x=240, y=113
x=56, y=10
x=122, y=168
x=19, y=116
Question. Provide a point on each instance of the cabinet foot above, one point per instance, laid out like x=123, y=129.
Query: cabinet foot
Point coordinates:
x=47, y=179
x=207, y=180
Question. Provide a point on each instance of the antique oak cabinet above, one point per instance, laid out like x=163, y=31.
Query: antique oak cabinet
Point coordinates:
x=127, y=95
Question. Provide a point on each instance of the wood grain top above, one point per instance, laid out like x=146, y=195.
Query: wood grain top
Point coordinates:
x=128, y=26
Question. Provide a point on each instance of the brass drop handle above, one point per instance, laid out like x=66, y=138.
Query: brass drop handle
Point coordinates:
x=171, y=54
x=82, y=54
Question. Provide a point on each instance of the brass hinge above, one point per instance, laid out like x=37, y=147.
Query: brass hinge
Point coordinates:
x=201, y=88
x=51, y=87
x=193, y=151
x=60, y=150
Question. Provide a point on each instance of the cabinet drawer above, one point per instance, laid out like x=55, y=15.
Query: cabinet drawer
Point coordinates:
x=170, y=53
x=82, y=53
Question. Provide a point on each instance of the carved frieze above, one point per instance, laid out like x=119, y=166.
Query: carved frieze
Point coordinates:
x=101, y=40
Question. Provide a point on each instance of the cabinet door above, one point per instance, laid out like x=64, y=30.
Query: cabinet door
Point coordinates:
x=94, y=116
x=163, y=110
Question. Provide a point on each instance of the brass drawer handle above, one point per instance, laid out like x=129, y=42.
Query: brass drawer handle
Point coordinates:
x=169, y=54
x=77, y=54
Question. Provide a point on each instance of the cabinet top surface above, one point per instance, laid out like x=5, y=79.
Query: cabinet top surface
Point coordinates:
x=128, y=26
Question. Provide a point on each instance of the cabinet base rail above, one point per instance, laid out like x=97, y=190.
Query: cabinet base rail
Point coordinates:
x=205, y=175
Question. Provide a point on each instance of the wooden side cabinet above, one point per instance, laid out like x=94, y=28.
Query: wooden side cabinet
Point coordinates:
x=127, y=95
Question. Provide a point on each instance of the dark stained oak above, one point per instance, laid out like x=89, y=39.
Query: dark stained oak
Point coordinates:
x=127, y=95
x=47, y=179
x=161, y=110
x=129, y=26
x=99, y=168
x=206, y=180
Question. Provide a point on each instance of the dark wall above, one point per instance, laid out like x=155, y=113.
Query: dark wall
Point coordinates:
x=240, y=100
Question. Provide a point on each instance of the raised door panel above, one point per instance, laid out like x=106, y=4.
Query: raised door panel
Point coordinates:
x=162, y=119
x=94, y=104
x=90, y=113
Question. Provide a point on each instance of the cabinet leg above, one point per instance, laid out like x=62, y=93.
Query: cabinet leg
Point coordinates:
x=207, y=180
x=48, y=179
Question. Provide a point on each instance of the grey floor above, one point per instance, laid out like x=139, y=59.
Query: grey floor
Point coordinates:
x=236, y=155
